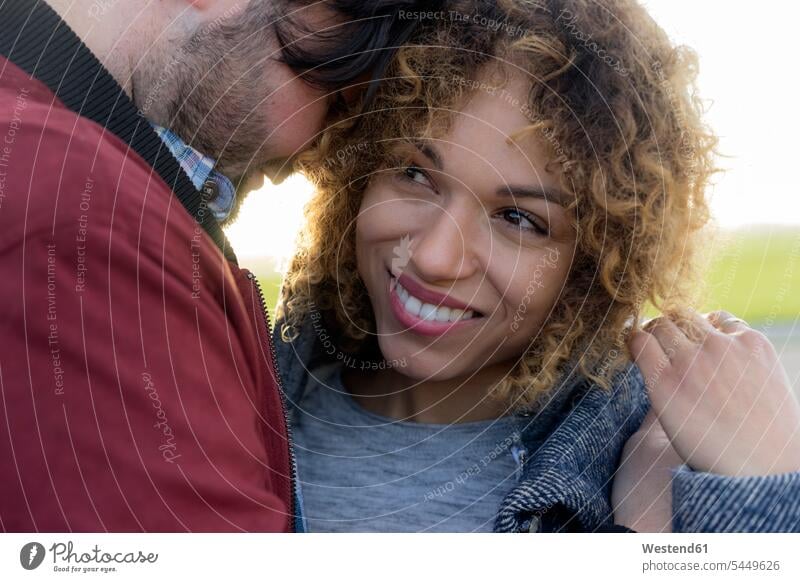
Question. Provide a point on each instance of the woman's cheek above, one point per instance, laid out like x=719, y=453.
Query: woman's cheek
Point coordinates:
x=387, y=217
x=534, y=290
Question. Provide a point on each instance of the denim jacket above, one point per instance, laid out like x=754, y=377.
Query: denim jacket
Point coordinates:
x=567, y=476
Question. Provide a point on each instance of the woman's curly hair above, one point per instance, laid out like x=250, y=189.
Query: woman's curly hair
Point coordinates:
x=614, y=99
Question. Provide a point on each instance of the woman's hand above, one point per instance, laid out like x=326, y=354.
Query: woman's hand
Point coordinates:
x=642, y=490
x=721, y=395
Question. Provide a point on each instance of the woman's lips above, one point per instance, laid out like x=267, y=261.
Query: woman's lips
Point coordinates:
x=427, y=296
x=423, y=325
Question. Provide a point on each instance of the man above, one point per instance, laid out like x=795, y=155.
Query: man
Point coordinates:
x=138, y=387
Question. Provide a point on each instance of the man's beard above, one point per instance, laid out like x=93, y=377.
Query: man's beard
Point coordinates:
x=216, y=97
x=221, y=115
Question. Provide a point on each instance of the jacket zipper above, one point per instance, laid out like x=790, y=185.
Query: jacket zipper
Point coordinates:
x=287, y=425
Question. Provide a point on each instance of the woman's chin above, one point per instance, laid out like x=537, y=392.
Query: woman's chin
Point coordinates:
x=428, y=373
x=419, y=366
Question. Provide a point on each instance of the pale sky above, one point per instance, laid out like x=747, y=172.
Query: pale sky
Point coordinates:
x=748, y=75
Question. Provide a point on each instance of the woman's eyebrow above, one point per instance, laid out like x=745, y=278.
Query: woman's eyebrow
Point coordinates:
x=429, y=152
x=547, y=194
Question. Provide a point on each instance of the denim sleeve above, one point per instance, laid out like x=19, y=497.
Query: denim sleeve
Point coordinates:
x=705, y=502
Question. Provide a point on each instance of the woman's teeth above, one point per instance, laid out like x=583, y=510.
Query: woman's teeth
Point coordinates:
x=427, y=311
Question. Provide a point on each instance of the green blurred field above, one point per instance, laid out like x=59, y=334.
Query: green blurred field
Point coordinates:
x=756, y=275
x=270, y=286
x=752, y=273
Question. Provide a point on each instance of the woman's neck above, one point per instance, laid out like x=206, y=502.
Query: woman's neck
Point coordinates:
x=465, y=399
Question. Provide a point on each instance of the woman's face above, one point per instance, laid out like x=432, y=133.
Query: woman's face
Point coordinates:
x=465, y=246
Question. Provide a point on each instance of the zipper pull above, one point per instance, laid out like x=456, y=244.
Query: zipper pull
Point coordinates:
x=520, y=454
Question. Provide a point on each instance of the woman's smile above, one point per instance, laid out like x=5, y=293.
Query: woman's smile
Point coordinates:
x=427, y=312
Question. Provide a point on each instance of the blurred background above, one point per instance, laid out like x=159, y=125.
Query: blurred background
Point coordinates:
x=748, y=79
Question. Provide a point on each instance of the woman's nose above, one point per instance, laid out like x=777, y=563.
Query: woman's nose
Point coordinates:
x=443, y=249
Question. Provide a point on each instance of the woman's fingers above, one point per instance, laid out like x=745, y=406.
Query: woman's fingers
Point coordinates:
x=726, y=322
x=641, y=493
x=696, y=327
x=670, y=337
x=662, y=346
x=652, y=361
x=723, y=399
x=645, y=350
x=676, y=334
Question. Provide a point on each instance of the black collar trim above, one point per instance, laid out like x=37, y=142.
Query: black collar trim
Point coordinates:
x=35, y=38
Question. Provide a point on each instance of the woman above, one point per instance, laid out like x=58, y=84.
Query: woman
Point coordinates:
x=453, y=331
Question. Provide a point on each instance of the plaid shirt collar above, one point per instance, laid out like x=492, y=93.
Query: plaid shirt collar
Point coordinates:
x=200, y=170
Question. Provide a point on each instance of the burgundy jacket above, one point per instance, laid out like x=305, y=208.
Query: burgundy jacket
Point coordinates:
x=138, y=390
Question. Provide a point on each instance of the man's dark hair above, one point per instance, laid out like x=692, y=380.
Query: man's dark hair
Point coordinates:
x=364, y=44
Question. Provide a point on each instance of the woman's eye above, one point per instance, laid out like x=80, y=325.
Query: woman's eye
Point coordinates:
x=416, y=174
x=524, y=221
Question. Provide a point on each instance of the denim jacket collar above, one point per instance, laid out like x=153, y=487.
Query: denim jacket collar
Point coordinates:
x=566, y=484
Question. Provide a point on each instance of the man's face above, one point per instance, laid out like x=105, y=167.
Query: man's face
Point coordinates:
x=234, y=100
